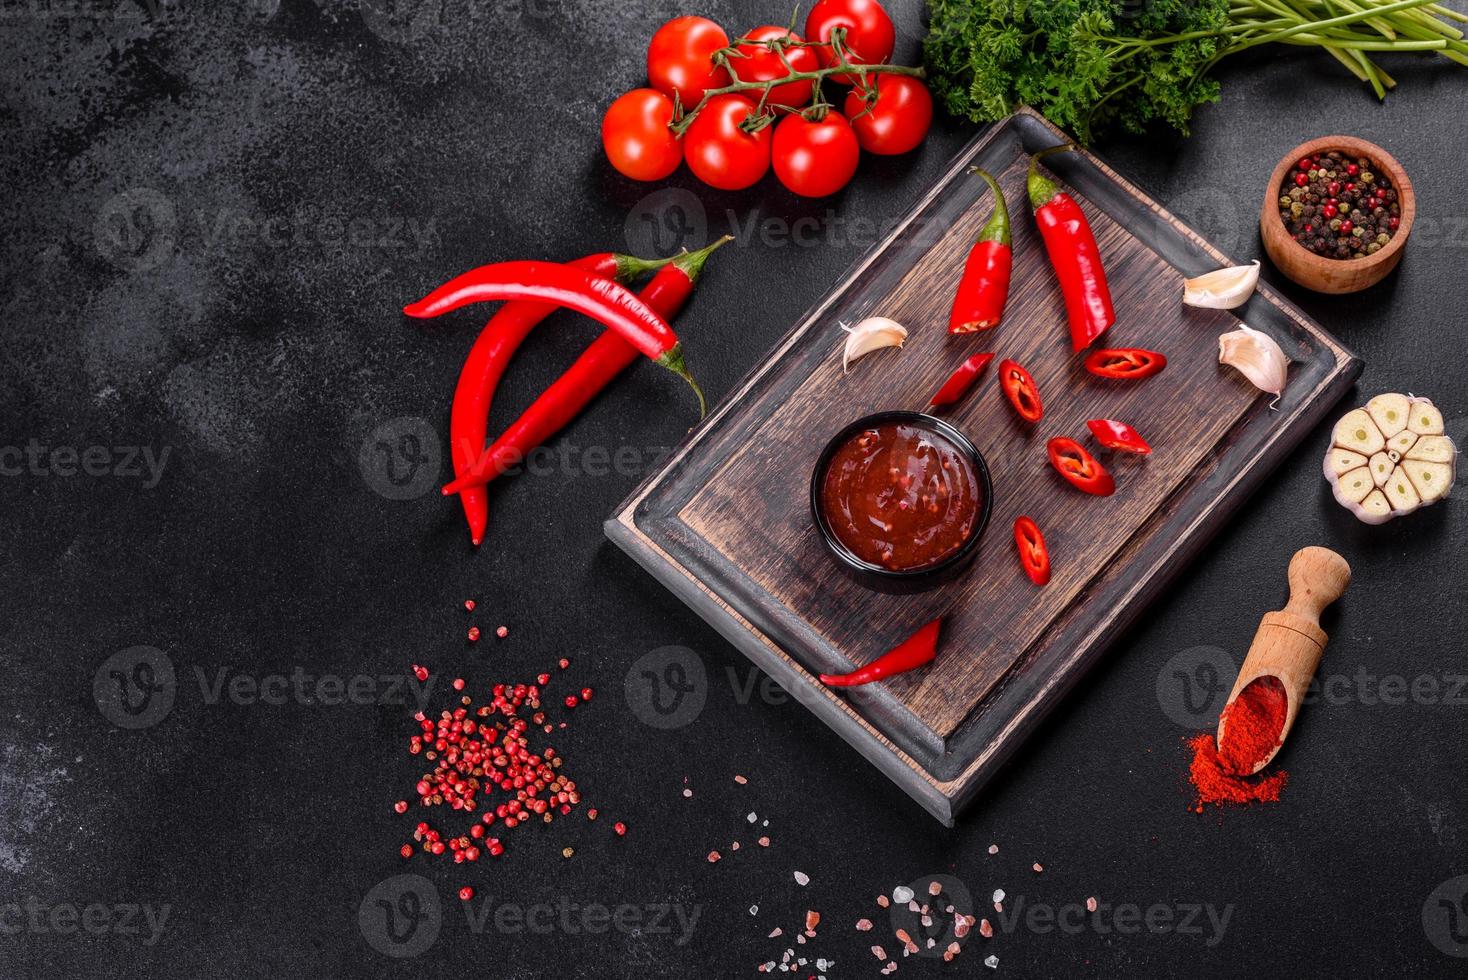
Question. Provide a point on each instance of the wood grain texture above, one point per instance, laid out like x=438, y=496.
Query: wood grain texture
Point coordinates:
x=727, y=523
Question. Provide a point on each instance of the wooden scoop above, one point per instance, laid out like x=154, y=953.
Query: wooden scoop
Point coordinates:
x=1289, y=642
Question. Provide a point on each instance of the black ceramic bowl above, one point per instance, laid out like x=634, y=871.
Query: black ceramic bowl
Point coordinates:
x=908, y=580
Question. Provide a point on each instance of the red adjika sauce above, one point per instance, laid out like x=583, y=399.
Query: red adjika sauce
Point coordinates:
x=901, y=497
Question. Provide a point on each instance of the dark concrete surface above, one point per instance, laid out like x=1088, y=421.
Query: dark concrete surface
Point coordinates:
x=213, y=215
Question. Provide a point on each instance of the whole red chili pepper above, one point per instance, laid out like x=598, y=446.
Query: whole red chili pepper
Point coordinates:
x=1072, y=461
x=1124, y=362
x=916, y=650
x=1020, y=389
x=1118, y=435
x=1071, y=245
x=549, y=282
x=961, y=380
x=1034, y=557
x=485, y=364
x=603, y=360
x=979, y=303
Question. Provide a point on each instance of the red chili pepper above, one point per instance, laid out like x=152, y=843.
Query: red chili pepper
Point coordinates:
x=1118, y=435
x=603, y=360
x=961, y=380
x=979, y=303
x=1020, y=389
x=916, y=650
x=1033, y=555
x=1125, y=362
x=1071, y=245
x=485, y=364
x=1079, y=467
x=549, y=282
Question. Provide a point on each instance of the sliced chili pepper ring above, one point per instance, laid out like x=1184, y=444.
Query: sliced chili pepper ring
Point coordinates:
x=1079, y=467
x=1119, y=436
x=1020, y=389
x=1125, y=363
x=1034, y=556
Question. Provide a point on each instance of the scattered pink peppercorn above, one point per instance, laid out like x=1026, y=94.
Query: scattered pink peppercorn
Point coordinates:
x=571, y=701
x=406, y=851
x=620, y=828
x=469, y=604
x=466, y=893
x=420, y=672
x=502, y=632
x=473, y=634
x=401, y=806
x=458, y=683
x=564, y=663
x=586, y=694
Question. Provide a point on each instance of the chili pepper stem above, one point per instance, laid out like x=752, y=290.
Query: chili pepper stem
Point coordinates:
x=996, y=229
x=692, y=262
x=672, y=359
x=631, y=268
x=1041, y=189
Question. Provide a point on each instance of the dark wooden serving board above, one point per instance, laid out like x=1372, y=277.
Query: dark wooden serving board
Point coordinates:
x=726, y=523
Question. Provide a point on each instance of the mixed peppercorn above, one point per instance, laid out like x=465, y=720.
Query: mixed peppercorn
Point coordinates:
x=1339, y=206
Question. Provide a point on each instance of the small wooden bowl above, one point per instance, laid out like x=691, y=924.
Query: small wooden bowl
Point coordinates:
x=1316, y=271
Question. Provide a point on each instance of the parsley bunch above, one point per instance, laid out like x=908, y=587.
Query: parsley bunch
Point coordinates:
x=1093, y=64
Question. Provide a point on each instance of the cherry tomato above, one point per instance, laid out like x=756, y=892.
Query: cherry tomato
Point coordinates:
x=635, y=134
x=679, y=58
x=762, y=65
x=870, y=36
x=899, y=118
x=720, y=153
x=814, y=159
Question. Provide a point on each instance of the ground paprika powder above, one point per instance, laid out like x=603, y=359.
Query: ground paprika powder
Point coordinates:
x=1253, y=723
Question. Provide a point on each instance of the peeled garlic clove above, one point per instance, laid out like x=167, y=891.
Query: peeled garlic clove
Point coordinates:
x=1356, y=431
x=1222, y=289
x=1389, y=412
x=871, y=334
x=1400, y=474
x=1425, y=419
x=1257, y=357
x=1339, y=462
x=1433, y=449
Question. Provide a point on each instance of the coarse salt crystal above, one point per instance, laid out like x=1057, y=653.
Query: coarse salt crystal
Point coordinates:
x=1038, y=867
x=801, y=878
x=754, y=910
x=1091, y=904
x=999, y=894
x=734, y=846
x=812, y=919
x=863, y=925
x=687, y=793
x=740, y=780
x=902, y=894
x=883, y=901
x=775, y=932
x=993, y=848
x=879, y=952
x=934, y=888
x=751, y=818
x=986, y=930
x=713, y=856
x=992, y=962
x=764, y=842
